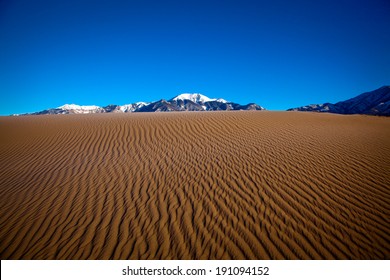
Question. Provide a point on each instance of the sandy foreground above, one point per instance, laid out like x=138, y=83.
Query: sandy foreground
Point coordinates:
x=195, y=185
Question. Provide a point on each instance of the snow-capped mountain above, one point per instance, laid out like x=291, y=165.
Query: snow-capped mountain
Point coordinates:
x=77, y=109
x=182, y=102
x=124, y=108
x=197, y=98
x=132, y=107
x=196, y=102
x=375, y=102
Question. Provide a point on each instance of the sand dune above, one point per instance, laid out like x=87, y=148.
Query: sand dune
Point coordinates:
x=210, y=185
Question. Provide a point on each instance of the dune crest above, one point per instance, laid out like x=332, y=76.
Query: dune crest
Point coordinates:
x=195, y=185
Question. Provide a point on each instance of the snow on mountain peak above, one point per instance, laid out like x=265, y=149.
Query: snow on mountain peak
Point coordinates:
x=197, y=98
x=221, y=100
x=194, y=97
x=132, y=107
x=78, y=107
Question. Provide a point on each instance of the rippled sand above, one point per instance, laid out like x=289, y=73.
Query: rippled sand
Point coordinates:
x=196, y=185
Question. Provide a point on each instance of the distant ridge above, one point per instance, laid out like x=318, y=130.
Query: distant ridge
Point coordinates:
x=375, y=102
x=182, y=102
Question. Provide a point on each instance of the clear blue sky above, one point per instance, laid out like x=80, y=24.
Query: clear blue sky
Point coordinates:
x=279, y=54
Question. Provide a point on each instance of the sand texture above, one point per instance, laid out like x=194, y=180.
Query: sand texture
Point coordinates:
x=195, y=185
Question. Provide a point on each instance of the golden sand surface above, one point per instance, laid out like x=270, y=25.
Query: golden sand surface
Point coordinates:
x=195, y=185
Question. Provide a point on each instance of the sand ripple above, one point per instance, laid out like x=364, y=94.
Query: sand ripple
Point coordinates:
x=202, y=185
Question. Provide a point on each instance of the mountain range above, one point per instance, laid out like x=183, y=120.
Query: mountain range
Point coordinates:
x=375, y=102
x=182, y=102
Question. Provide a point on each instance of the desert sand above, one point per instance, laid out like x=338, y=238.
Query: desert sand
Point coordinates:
x=195, y=185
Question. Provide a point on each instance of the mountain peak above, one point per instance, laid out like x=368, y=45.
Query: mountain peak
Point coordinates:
x=182, y=102
x=376, y=102
x=196, y=97
x=78, y=107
